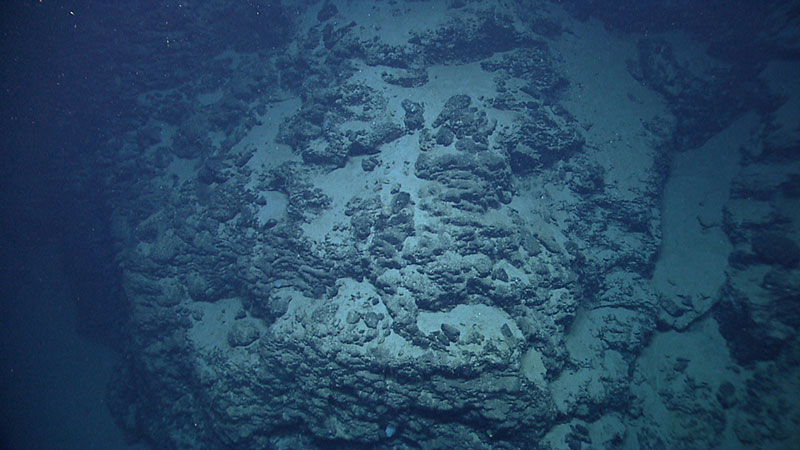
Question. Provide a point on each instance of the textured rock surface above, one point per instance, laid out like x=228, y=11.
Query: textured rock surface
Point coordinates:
x=432, y=234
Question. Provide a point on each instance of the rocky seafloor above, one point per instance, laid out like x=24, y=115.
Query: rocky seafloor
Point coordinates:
x=457, y=224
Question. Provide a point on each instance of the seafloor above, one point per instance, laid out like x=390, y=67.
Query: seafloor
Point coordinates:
x=456, y=224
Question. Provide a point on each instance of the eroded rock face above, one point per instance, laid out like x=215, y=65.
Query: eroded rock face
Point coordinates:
x=433, y=303
x=380, y=258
